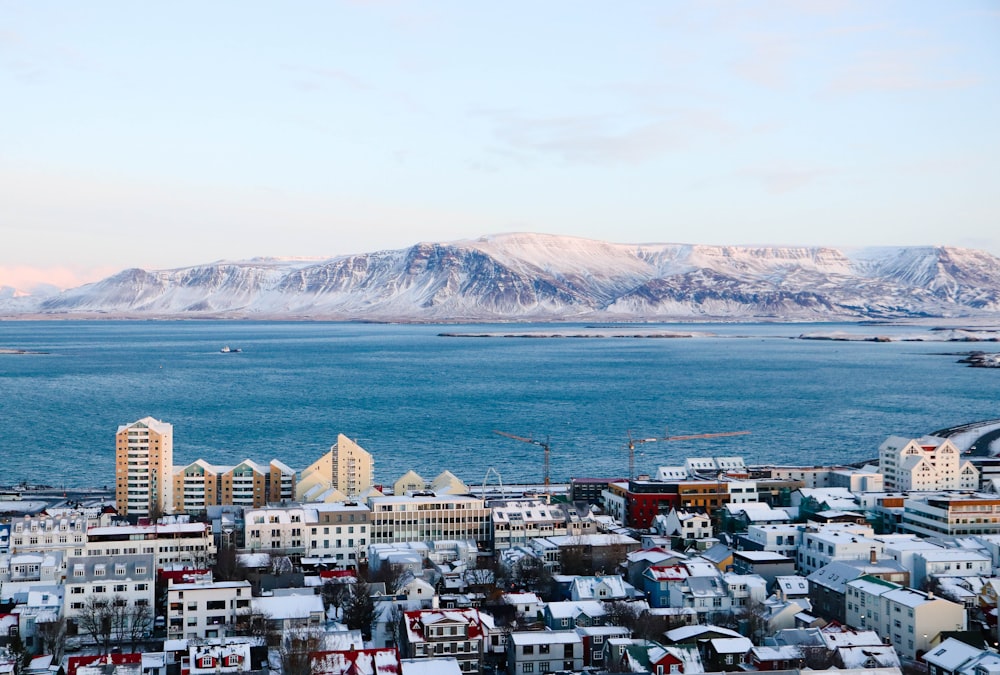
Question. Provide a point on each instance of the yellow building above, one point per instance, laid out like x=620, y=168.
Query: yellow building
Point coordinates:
x=347, y=468
x=144, y=453
x=249, y=484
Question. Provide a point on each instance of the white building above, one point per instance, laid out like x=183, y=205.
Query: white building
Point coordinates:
x=544, y=651
x=951, y=514
x=515, y=522
x=205, y=610
x=172, y=541
x=66, y=532
x=823, y=544
x=927, y=463
x=687, y=525
x=783, y=538
x=128, y=580
x=952, y=562
x=428, y=517
x=337, y=532
x=910, y=619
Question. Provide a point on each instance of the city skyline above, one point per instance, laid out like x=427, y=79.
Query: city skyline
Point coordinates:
x=162, y=136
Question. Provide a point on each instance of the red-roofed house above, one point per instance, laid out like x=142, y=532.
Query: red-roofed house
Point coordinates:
x=444, y=632
x=356, y=662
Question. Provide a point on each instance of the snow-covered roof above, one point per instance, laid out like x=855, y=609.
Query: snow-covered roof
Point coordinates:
x=732, y=645
x=431, y=666
x=543, y=637
x=872, y=656
x=286, y=607
x=951, y=654
x=686, y=633
x=786, y=652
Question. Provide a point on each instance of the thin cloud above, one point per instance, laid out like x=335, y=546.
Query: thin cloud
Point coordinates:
x=880, y=71
x=605, y=139
x=336, y=75
x=768, y=62
x=780, y=180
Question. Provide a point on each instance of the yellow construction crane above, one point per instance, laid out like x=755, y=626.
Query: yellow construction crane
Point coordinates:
x=632, y=442
x=544, y=446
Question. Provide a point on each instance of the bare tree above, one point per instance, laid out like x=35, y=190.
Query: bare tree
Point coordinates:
x=252, y=622
x=119, y=618
x=531, y=574
x=281, y=564
x=393, y=575
x=53, y=637
x=295, y=649
x=139, y=622
x=752, y=620
x=335, y=594
x=95, y=619
x=359, y=611
x=480, y=579
x=394, y=624
x=621, y=613
x=228, y=566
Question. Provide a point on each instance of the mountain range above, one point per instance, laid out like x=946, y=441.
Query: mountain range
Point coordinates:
x=538, y=277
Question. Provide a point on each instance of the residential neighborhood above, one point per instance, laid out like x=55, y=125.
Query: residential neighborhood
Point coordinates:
x=709, y=566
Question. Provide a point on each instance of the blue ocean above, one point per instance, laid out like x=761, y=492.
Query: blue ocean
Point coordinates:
x=417, y=400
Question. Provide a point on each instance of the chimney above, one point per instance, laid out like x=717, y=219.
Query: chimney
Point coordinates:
x=872, y=556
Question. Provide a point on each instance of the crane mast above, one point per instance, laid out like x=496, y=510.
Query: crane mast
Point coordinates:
x=544, y=446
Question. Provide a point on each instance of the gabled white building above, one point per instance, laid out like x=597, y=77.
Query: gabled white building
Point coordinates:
x=925, y=464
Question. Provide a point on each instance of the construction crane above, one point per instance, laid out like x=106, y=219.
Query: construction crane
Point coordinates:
x=632, y=442
x=544, y=446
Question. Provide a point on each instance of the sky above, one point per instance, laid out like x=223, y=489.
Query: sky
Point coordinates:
x=161, y=135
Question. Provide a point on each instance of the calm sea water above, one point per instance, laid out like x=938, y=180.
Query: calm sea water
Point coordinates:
x=417, y=400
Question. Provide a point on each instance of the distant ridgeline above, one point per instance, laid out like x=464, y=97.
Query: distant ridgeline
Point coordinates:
x=543, y=277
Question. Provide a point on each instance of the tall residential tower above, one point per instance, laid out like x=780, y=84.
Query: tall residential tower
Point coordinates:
x=144, y=457
x=347, y=468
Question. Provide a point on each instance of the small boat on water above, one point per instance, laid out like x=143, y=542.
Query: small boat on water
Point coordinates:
x=227, y=350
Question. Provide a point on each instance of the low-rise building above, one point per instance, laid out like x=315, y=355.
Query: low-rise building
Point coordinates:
x=338, y=532
x=951, y=514
x=127, y=581
x=912, y=620
x=172, y=541
x=821, y=545
x=515, y=522
x=459, y=633
x=925, y=464
x=207, y=609
x=544, y=651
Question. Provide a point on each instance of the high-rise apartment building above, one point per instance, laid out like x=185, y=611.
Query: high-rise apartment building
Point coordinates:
x=347, y=468
x=144, y=457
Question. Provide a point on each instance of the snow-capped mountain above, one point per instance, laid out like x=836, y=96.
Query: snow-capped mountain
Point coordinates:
x=545, y=277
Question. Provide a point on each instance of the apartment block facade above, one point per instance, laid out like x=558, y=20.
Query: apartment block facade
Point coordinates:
x=248, y=484
x=338, y=532
x=205, y=610
x=144, y=457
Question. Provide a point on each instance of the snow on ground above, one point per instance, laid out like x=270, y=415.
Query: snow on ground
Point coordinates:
x=965, y=439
